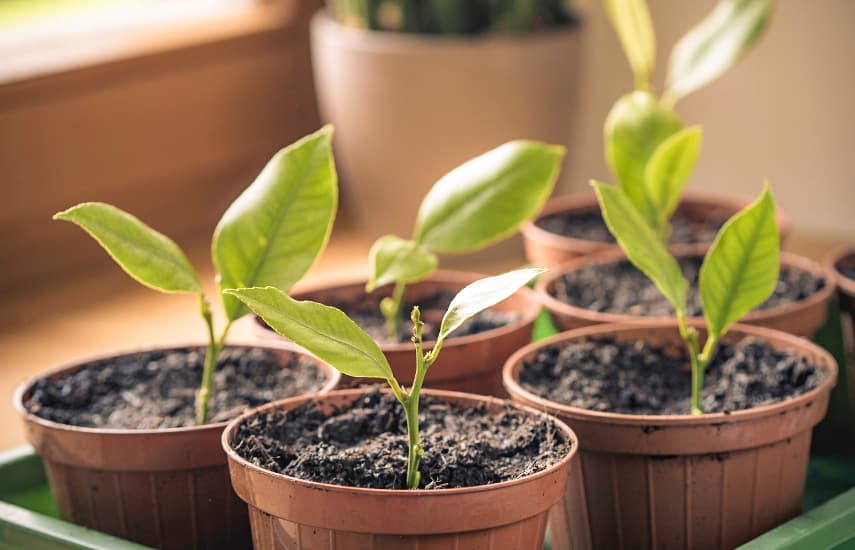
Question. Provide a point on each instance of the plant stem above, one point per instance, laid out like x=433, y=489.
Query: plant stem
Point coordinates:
x=411, y=408
x=392, y=311
x=212, y=354
x=699, y=359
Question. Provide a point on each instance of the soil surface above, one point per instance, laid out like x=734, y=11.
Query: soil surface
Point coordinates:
x=365, y=444
x=157, y=389
x=366, y=314
x=589, y=226
x=621, y=288
x=846, y=266
x=640, y=378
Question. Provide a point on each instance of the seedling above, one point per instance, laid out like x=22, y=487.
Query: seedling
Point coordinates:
x=647, y=148
x=739, y=272
x=270, y=235
x=329, y=334
x=477, y=204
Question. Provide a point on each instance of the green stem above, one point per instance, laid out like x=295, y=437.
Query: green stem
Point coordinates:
x=690, y=336
x=411, y=408
x=212, y=354
x=391, y=310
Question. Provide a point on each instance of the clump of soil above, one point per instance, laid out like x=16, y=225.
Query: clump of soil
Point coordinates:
x=365, y=444
x=846, y=266
x=589, y=226
x=619, y=287
x=366, y=314
x=604, y=374
x=157, y=389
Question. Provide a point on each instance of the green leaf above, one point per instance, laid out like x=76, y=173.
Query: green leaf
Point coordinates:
x=716, y=44
x=487, y=198
x=323, y=330
x=482, y=294
x=147, y=255
x=634, y=129
x=641, y=244
x=394, y=260
x=669, y=168
x=740, y=271
x=631, y=21
x=276, y=228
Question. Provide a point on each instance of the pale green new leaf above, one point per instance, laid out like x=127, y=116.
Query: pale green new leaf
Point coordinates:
x=323, y=330
x=147, y=255
x=669, y=169
x=641, y=244
x=394, y=260
x=716, y=44
x=482, y=294
x=740, y=271
x=487, y=198
x=634, y=129
x=275, y=229
x=631, y=21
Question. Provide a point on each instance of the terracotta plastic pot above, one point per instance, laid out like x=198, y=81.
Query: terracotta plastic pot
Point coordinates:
x=166, y=488
x=836, y=261
x=681, y=481
x=468, y=363
x=293, y=514
x=408, y=107
x=544, y=247
x=802, y=318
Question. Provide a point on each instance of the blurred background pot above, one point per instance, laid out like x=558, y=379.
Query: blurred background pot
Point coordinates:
x=290, y=513
x=410, y=107
x=167, y=488
x=681, y=481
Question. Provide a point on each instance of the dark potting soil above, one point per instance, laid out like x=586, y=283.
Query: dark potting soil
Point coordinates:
x=640, y=378
x=365, y=444
x=619, y=287
x=366, y=314
x=157, y=389
x=589, y=226
x=846, y=266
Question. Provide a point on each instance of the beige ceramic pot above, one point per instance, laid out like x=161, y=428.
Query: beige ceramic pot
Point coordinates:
x=468, y=363
x=292, y=514
x=165, y=488
x=681, y=481
x=408, y=108
x=544, y=247
x=802, y=318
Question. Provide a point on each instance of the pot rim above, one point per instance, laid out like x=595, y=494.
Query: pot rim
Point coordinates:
x=513, y=365
x=401, y=43
x=832, y=260
x=444, y=277
x=333, y=378
x=588, y=201
x=232, y=455
x=604, y=257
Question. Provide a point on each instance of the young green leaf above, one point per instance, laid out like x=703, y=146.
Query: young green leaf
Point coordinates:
x=634, y=128
x=641, y=244
x=323, y=330
x=482, y=294
x=393, y=260
x=147, y=255
x=716, y=44
x=487, y=198
x=631, y=21
x=276, y=228
x=669, y=168
x=741, y=268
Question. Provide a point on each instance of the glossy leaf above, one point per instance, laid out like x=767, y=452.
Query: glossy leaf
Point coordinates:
x=147, y=255
x=487, y=198
x=393, y=260
x=669, y=169
x=716, y=44
x=631, y=21
x=635, y=127
x=323, y=330
x=740, y=271
x=276, y=228
x=482, y=294
x=641, y=244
